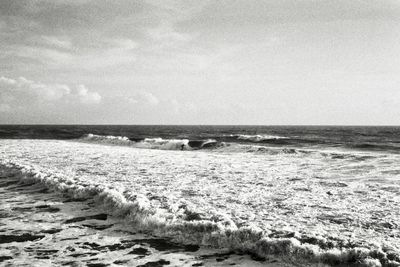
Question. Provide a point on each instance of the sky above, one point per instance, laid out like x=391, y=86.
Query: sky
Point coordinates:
x=267, y=62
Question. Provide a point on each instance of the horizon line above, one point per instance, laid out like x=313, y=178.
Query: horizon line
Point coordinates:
x=266, y=125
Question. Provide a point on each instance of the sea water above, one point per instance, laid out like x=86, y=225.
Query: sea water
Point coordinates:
x=308, y=195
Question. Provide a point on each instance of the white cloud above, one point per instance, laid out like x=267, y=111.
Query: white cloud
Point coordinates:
x=144, y=98
x=7, y=81
x=44, y=55
x=59, y=52
x=46, y=92
x=123, y=44
x=23, y=93
x=178, y=10
x=169, y=14
x=59, y=42
x=63, y=2
x=118, y=52
x=167, y=36
x=87, y=97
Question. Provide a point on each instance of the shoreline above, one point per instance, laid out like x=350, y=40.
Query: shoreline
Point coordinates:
x=45, y=228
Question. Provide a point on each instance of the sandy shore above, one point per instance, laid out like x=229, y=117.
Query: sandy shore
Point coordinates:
x=43, y=228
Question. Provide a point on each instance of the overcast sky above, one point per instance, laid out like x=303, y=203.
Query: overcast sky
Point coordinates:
x=200, y=62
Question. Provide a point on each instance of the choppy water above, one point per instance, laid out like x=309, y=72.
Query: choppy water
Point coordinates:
x=385, y=139
x=306, y=194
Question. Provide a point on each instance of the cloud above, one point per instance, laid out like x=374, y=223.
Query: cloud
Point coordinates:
x=55, y=41
x=30, y=88
x=144, y=98
x=87, y=97
x=177, y=10
x=60, y=52
x=7, y=81
x=23, y=93
x=166, y=36
x=116, y=52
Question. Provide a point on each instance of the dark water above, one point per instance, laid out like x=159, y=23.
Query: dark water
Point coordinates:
x=352, y=137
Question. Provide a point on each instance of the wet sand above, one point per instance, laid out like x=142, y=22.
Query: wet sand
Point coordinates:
x=43, y=228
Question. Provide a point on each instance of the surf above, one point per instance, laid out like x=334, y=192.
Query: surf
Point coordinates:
x=258, y=205
x=220, y=232
x=151, y=143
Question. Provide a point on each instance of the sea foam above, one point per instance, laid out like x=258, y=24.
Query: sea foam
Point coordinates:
x=183, y=217
x=151, y=143
x=258, y=137
x=220, y=232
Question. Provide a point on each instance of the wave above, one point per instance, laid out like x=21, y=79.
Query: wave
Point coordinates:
x=187, y=144
x=181, y=222
x=257, y=138
x=288, y=151
x=279, y=140
x=107, y=139
x=152, y=143
x=376, y=147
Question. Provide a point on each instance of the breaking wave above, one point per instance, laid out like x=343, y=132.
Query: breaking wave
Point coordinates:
x=182, y=222
x=107, y=139
x=186, y=144
x=151, y=143
x=257, y=138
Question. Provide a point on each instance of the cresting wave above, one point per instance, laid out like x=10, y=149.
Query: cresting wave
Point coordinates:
x=181, y=222
x=186, y=144
x=270, y=139
x=257, y=137
x=269, y=144
x=152, y=143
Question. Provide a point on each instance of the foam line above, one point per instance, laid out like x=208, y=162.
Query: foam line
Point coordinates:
x=217, y=231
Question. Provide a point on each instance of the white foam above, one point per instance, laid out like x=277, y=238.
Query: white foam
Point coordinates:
x=258, y=137
x=107, y=139
x=165, y=144
x=149, y=143
x=240, y=201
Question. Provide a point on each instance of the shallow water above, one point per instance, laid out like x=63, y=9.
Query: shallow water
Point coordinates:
x=44, y=228
x=332, y=206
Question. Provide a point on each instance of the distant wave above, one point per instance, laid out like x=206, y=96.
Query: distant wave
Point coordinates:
x=257, y=137
x=378, y=147
x=107, y=139
x=187, y=144
x=217, y=231
x=325, y=153
x=152, y=143
x=289, y=142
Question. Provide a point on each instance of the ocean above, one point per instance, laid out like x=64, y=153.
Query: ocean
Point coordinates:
x=306, y=195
